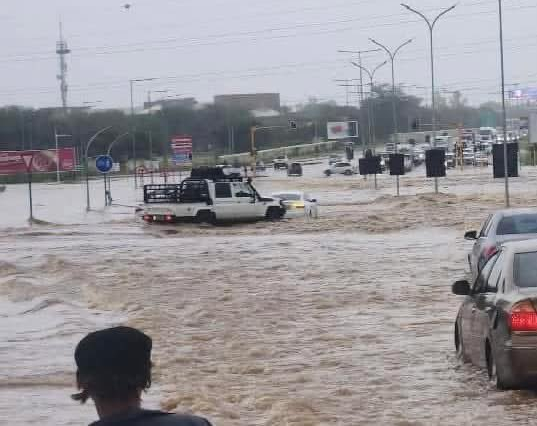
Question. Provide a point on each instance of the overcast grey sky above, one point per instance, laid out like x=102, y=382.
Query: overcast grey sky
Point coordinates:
x=205, y=47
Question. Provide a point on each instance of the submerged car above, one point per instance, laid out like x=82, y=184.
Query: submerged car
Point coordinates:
x=500, y=227
x=341, y=168
x=281, y=163
x=295, y=169
x=298, y=203
x=496, y=326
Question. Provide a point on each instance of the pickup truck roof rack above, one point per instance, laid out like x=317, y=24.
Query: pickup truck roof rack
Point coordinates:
x=215, y=174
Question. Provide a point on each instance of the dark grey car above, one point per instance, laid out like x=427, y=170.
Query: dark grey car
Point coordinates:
x=496, y=327
x=500, y=227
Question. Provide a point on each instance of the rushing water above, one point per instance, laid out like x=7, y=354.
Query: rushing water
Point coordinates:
x=344, y=320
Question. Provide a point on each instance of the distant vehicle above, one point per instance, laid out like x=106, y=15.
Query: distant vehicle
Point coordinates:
x=342, y=168
x=481, y=159
x=333, y=159
x=500, y=227
x=260, y=166
x=298, y=203
x=450, y=160
x=496, y=326
x=468, y=138
x=208, y=196
x=418, y=156
x=468, y=157
x=281, y=163
x=444, y=142
x=295, y=169
x=487, y=135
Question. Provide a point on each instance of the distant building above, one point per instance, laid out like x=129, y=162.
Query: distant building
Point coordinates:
x=251, y=102
x=189, y=103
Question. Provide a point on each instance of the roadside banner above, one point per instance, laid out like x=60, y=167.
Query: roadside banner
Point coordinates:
x=341, y=130
x=181, y=149
x=44, y=161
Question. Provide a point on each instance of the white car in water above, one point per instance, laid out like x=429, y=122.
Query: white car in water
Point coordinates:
x=298, y=203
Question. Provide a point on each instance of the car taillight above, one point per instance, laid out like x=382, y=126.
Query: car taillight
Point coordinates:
x=169, y=218
x=148, y=218
x=523, y=317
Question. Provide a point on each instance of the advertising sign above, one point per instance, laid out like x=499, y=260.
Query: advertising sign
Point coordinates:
x=341, y=130
x=181, y=149
x=12, y=162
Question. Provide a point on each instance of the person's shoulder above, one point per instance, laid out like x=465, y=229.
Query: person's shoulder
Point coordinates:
x=183, y=420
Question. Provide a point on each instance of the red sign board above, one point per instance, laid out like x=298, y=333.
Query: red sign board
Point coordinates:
x=12, y=162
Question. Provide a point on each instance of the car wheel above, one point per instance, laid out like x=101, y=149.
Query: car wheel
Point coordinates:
x=496, y=374
x=206, y=216
x=273, y=214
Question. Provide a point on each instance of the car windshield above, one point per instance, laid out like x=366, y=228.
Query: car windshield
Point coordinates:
x=525, y=269
x=288, y=197
x=518, y=224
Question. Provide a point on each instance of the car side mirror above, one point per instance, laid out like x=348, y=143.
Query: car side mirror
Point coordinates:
x=461, y=288
x=470, y=235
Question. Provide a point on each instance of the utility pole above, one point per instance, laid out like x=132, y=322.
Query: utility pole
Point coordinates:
x=62, y=51
x=361, y=88
x=133, y=126
x=371, y=75
x=431, y=26
x=392, y=56
x=504, y=113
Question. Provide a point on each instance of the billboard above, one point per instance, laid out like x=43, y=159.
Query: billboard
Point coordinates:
x=44, y=161
x=341, y=130
x=181, y=149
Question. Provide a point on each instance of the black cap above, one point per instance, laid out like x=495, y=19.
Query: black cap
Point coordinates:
x=119, y=350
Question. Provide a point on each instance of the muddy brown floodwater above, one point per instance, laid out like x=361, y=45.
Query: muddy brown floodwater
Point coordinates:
x=345, y=320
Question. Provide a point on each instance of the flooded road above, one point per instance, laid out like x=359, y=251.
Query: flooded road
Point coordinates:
x=345, y=320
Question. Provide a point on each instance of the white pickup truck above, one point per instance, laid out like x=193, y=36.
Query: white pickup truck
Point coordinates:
x=209, y=196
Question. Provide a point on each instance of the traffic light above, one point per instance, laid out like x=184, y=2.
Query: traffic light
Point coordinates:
x=292, y=125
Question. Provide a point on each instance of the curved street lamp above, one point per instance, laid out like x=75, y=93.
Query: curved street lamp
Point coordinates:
x=431, y=26
x=370, y=119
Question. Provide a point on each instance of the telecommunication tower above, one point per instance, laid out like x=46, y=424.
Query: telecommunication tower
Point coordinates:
x=62, y=50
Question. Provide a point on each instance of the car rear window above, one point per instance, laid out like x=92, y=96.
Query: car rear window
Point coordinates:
x=518, y=224
x=525, y=269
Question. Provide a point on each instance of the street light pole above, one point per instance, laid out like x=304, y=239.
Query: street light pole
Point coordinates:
x=392, y=56
x=88, y=145
x=371, y=75
x=361, y=90
x=133, y=127
x=433, y=100
x=504, y=113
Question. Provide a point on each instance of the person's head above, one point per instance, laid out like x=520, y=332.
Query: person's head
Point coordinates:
x=113, y=365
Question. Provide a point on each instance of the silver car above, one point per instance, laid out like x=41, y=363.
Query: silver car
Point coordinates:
x=496, y=327
x=500, y=227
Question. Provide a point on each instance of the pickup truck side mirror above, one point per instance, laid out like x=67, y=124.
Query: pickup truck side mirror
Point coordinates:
x=461, y=288
x=470, y=235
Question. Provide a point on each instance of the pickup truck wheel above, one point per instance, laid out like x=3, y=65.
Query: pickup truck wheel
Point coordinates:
x=273, y=214
x=206, y=216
